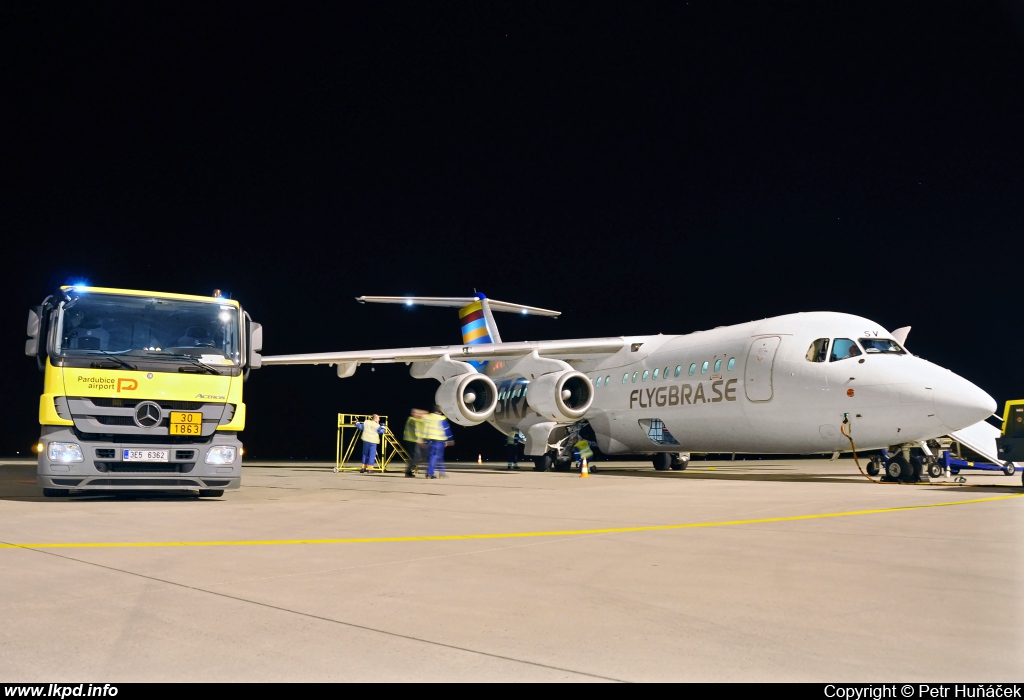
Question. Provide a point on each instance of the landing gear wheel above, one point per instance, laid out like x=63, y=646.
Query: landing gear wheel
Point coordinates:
x=934, y=469
x=1009, y=469
x=561, y=465
x=896, y=468
x=211, y=493
x=56, y=493
x=914, y=473
x=542, y=463
x=679, y=465
x=662, y=461
x=873, y=467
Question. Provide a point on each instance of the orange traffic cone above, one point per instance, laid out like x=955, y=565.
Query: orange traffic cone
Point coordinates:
x=584, y=472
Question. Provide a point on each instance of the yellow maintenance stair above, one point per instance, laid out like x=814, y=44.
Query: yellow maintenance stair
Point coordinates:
x=350, y=439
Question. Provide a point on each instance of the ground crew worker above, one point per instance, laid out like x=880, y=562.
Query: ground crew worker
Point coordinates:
x=411, y=437
x=435, y=435
x=512, y=442
x=372, y=430
x=581, y=451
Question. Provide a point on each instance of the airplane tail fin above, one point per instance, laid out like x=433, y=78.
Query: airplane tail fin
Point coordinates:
x=477, y=321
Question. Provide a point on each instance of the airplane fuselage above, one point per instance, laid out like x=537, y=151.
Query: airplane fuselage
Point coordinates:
x=760, y=387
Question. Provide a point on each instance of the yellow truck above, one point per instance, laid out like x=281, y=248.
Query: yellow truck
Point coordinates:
x=141, y=390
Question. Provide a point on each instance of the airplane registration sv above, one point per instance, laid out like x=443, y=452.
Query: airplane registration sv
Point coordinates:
x=803, y=383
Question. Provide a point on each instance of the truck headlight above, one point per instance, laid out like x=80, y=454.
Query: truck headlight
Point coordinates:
x=65, y=452
x=221, y=454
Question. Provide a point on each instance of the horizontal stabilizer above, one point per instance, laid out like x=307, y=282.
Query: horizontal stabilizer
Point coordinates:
x=459, y=302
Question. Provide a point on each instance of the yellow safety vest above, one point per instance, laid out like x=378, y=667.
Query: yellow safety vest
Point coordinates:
x=370, y=429
x=584, y=447
x=432, y=427
x=412, y=429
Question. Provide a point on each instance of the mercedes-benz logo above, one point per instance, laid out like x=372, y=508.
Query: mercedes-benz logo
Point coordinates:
x=148, y=414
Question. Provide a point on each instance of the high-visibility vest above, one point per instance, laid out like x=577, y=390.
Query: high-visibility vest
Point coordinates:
x=433, y=427
x=412, y=429
x=583, y=447
x=371, y=431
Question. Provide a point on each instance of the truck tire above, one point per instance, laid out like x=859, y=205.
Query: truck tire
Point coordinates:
x=1009, y=469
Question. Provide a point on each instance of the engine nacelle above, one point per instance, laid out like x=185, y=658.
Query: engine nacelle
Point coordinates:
x=467, y=399
x=561, y=396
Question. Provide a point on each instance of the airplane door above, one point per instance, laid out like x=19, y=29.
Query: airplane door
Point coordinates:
x=758, y=373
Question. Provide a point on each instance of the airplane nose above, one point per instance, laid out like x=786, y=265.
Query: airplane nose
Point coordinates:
x=959, y=404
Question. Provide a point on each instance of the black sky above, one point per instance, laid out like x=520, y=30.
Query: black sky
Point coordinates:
x=664, y=168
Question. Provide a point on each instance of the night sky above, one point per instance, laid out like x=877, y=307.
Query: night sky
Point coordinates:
x=664, y=168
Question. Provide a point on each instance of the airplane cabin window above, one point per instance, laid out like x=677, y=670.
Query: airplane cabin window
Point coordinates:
x=704, y=367
x=881, y=345
x=718, y=365
x=665, y=375
x=679, y=368
x=655, y=375
x=644, y=378
x=843, y=348
x=693, y=368
x=818, y=351
x=625, y=377
x=635, y=375
x=597, y=382
x=608, y=380
x=515, y=394
x=732, y=363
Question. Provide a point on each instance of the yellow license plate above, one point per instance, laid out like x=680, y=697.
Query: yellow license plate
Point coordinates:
x=186, y=422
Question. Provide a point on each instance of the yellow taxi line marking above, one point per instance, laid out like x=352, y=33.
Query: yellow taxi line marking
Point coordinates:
x=500, y=535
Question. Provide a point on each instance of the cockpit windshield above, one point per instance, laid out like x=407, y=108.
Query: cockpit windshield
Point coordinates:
x=881, y=345
x=114, y=324
x=843, y=348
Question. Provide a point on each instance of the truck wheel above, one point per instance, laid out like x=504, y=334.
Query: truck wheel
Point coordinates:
x=662, y=461
x=935, y=469
x=211, y=493
x=55, y=493
x=873, y=468
x=1010, y=469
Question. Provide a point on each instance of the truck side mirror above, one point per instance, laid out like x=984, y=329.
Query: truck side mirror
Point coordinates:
x=32, y=330
x=255, y=345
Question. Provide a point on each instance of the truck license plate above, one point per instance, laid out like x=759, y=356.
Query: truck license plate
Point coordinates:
x=144, y=456
x=186, y=422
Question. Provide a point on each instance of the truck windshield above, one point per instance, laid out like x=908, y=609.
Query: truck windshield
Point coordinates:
x=114, y=324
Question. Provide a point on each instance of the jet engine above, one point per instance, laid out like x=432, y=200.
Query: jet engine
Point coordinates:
x=467, y=399
x=561, y=396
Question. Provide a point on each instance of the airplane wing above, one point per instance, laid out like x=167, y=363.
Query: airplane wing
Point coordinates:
x=555, y=349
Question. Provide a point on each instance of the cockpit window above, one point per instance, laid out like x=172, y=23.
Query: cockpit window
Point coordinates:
x=843, y=348
x=881, y=345
x=818, y=352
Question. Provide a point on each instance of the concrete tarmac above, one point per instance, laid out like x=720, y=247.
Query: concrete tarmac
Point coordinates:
x=756, y=571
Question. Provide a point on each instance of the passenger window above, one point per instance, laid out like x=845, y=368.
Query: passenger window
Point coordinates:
x=843, y=348
x=644, y=378
x=679, y=369
x=625, y=377
x=693, y=368
x=655, y=375
x=665, y=375
x=718, y=365
x=515, y=394
x=818, y=352
x=635, y=375
x=608, y=380
x=732, y=363
x=704, y=367
x=597, y=382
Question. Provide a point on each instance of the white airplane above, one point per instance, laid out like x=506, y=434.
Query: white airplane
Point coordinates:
x=803, y=383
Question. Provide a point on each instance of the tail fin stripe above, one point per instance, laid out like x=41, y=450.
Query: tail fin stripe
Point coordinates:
x=474, y=311
x=481, y=337
x=468, y=327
